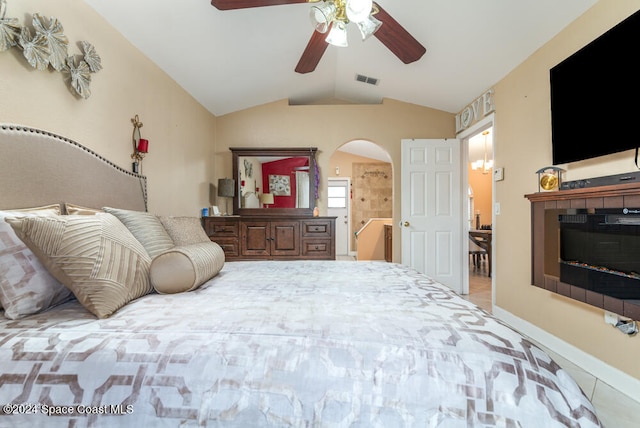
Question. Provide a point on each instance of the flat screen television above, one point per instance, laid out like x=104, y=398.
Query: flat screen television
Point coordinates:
x=595, y=95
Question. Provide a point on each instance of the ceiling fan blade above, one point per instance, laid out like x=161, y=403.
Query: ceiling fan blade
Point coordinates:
x=397, y=39
x=312, y=53
x=245, y=4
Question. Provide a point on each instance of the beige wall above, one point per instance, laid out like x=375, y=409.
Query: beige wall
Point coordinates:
x=180, y=131
x=522, y=146
x=328, y=127
x=345, y=161
x=371, y=240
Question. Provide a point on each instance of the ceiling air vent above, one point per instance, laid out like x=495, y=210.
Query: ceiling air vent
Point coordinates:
x=365, y=79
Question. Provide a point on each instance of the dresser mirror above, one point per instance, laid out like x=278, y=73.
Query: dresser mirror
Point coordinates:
x=274, y=181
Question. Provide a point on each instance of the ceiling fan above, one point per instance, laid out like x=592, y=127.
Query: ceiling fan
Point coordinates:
x=330, y=16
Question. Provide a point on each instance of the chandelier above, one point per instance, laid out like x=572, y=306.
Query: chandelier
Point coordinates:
x=334, y=15
x=485, y=164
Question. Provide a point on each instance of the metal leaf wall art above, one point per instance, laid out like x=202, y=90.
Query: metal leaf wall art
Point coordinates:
x=55, y=40
x=9, y=31
x=80, y=74
x=48, y=46
x=35, y=49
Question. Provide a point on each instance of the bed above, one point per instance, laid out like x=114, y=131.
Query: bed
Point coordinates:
x=266, y=343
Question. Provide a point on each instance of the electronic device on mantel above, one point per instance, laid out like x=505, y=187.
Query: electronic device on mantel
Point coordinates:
x=609, y=180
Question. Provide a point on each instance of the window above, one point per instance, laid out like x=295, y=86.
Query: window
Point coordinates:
x=337, y=197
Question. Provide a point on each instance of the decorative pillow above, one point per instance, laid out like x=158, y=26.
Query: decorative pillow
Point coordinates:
x=26, y=287
x=185, y=268
x=73, y=209
x=146, y=228
x=184, y=230
x=53, y=209
x=93, y=255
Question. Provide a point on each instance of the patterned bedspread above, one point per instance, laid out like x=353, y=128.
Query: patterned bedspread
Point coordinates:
x=301, y=343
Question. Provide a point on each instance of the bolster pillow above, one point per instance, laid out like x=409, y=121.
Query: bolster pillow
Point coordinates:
x=186, y=267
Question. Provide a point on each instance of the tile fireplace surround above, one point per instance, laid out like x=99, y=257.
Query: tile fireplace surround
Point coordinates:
x=544, y=240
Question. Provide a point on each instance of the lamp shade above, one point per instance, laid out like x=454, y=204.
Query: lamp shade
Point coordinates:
x=226, y=187
x=368, y=27
x=143, y=145
x=321, y=16
x=337, y=35
x=358, y=10
x=266, y=198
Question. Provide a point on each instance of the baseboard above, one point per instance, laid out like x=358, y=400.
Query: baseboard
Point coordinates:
x=612, y=376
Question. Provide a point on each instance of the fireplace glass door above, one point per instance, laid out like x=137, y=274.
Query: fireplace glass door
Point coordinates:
x=599, y=250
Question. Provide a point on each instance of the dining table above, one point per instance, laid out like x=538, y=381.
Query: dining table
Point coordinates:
x=482, y=238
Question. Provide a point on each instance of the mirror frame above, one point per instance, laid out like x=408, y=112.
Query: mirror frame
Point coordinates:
x=274, y=151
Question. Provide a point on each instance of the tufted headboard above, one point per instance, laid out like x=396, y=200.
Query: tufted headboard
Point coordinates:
x=40, y=168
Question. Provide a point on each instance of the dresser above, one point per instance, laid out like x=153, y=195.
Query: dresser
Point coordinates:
x=273, y=238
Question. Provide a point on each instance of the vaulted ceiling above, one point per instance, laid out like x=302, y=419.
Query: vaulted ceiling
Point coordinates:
x=230, y=60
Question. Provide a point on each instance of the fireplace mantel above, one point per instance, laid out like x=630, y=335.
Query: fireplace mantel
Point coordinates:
x=544, y=241
x=595, y=195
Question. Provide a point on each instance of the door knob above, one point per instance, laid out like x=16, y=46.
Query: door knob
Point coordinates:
x=406, y=224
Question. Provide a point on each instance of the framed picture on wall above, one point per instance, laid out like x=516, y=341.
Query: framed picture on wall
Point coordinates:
x=279, y=185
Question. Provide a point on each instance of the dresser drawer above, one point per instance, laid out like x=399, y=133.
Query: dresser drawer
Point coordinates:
x=229, y=246
x=317, y=248
x=316, y=228
x=221, y=228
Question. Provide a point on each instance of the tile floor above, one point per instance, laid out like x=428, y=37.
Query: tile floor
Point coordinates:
x=615, y=409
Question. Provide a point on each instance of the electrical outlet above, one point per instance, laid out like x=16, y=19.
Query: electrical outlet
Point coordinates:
x=611, y=318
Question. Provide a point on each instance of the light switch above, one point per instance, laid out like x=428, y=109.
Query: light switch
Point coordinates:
x=498, y=174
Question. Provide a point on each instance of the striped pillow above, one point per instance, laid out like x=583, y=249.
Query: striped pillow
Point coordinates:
x=146, y=228
x=73, y=209
x=80, y=251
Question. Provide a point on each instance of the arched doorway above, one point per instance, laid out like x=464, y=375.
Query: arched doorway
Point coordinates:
x=360, y=172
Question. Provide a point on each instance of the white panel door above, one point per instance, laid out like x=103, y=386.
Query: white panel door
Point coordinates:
x=339, y=202
x=431, y=209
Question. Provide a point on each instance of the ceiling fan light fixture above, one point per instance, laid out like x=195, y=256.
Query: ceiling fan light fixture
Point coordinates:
x=358, y=10
x=321, y=16
x=368, y=27
x=338, y=35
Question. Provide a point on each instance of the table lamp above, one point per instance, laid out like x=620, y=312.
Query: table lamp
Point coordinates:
x=266, y=199
x=226, y=189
